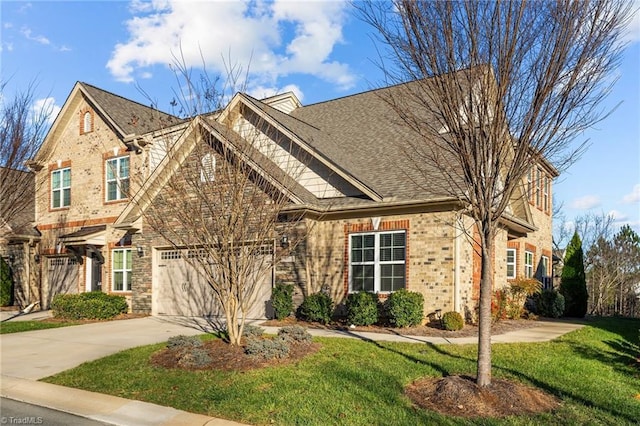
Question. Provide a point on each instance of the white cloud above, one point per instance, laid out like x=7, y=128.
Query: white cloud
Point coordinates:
x=46, y=107
x=633, y=196
x=632, y=34
x=585, y=203
x=272, y=39
x=261, y=92
x=617, y=216
x=37, y=38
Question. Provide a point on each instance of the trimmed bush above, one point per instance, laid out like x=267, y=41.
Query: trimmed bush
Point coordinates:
x=183, y=342
x=6, y=283
x=252, y=331
x=405, y=308
x=452, y=321
x=362, y=308
x=92, y=305
x=282, y=300
x=294, y=333
x=316, y=307
x=549, y=304
x=267, y=348
x=194, y=358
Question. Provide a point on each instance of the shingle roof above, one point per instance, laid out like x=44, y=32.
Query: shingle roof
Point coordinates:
x=362, y=135
x=132, y=117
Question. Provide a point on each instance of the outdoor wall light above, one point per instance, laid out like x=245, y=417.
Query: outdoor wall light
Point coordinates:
x=140, y=251
x=36, y=258
x=284, y=241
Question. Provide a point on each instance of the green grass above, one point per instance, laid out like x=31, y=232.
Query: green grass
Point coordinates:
x=20, y=326
x=351, y=382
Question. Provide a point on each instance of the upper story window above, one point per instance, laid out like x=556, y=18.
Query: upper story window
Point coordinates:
x=208, y=168
x=86, y=122
x=61, y=188
x=546, y=192
x=377, y=261
x=117, y=178
x=511, y=263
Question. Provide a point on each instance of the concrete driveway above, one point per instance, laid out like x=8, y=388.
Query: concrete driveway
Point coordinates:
x=32, y=355
x=37, y=354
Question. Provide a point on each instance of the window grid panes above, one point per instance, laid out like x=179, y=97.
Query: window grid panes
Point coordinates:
x=121, y=267
x=511, y=263
x=61, y=188
x=528, y=264
x=377, y=261
x=117, y=175
x=545, y=266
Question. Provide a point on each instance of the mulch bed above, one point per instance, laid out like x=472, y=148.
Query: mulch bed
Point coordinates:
x=431, y=329
x=461, y=396
x=226, y=357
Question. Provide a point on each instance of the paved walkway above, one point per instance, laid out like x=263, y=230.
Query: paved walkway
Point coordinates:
x=30, y=356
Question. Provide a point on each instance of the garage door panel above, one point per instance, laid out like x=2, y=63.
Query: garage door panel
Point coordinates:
x=62, y=277
x=180, y=290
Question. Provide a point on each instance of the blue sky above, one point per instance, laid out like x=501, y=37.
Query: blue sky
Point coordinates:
x=317, y=49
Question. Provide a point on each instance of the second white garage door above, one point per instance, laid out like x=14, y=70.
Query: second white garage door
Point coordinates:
x=178, y=289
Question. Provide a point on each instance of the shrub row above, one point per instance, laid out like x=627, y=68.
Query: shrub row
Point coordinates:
x=401, y=309
x=91, y=305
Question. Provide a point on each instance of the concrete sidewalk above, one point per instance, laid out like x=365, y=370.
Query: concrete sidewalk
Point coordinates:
x=29, y=356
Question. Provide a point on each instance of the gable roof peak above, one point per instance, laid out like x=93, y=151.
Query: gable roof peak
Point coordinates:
x=284, y=102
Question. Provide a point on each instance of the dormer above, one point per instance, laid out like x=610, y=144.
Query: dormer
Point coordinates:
x=285, y=102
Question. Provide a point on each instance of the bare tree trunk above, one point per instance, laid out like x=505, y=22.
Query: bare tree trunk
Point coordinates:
x=486, y=291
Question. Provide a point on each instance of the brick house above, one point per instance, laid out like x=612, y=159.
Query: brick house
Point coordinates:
x=374, y=228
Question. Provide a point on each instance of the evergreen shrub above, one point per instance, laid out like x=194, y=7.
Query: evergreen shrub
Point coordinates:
x=282, y=300
x=405, y=308
x=6, y=283
x=452, y=321
x=362, y=308
x=316, y=307
x=91, y=305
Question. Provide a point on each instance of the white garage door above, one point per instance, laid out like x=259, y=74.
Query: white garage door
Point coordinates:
x=62, y=277
x=178, y=289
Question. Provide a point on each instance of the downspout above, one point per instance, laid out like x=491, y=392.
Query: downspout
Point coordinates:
x=456, y=265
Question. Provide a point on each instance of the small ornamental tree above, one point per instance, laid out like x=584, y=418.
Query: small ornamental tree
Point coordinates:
x=574, y=285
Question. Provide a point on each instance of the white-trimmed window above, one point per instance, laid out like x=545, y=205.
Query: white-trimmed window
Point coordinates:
x=511, y=263
x=208, y=168
x=377, y=261
x=121, y=269
x=117, y=178
x=544, y=262
x=528, y=264
x=61, y=188
x=546, y=202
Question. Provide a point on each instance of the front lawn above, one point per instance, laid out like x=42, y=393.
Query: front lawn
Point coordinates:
x=594, y=371
x=20, y=326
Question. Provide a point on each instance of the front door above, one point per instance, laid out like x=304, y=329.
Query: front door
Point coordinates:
x=96, y=273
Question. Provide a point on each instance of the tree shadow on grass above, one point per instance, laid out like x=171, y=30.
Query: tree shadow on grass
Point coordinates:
x=620, y=355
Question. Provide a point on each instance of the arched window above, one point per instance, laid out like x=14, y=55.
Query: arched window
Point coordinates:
x=86, y=122
x=208, y=168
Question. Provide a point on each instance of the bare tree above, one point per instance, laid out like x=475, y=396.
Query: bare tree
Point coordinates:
x=23, y=127
x=225, y=199
x=497, y=88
